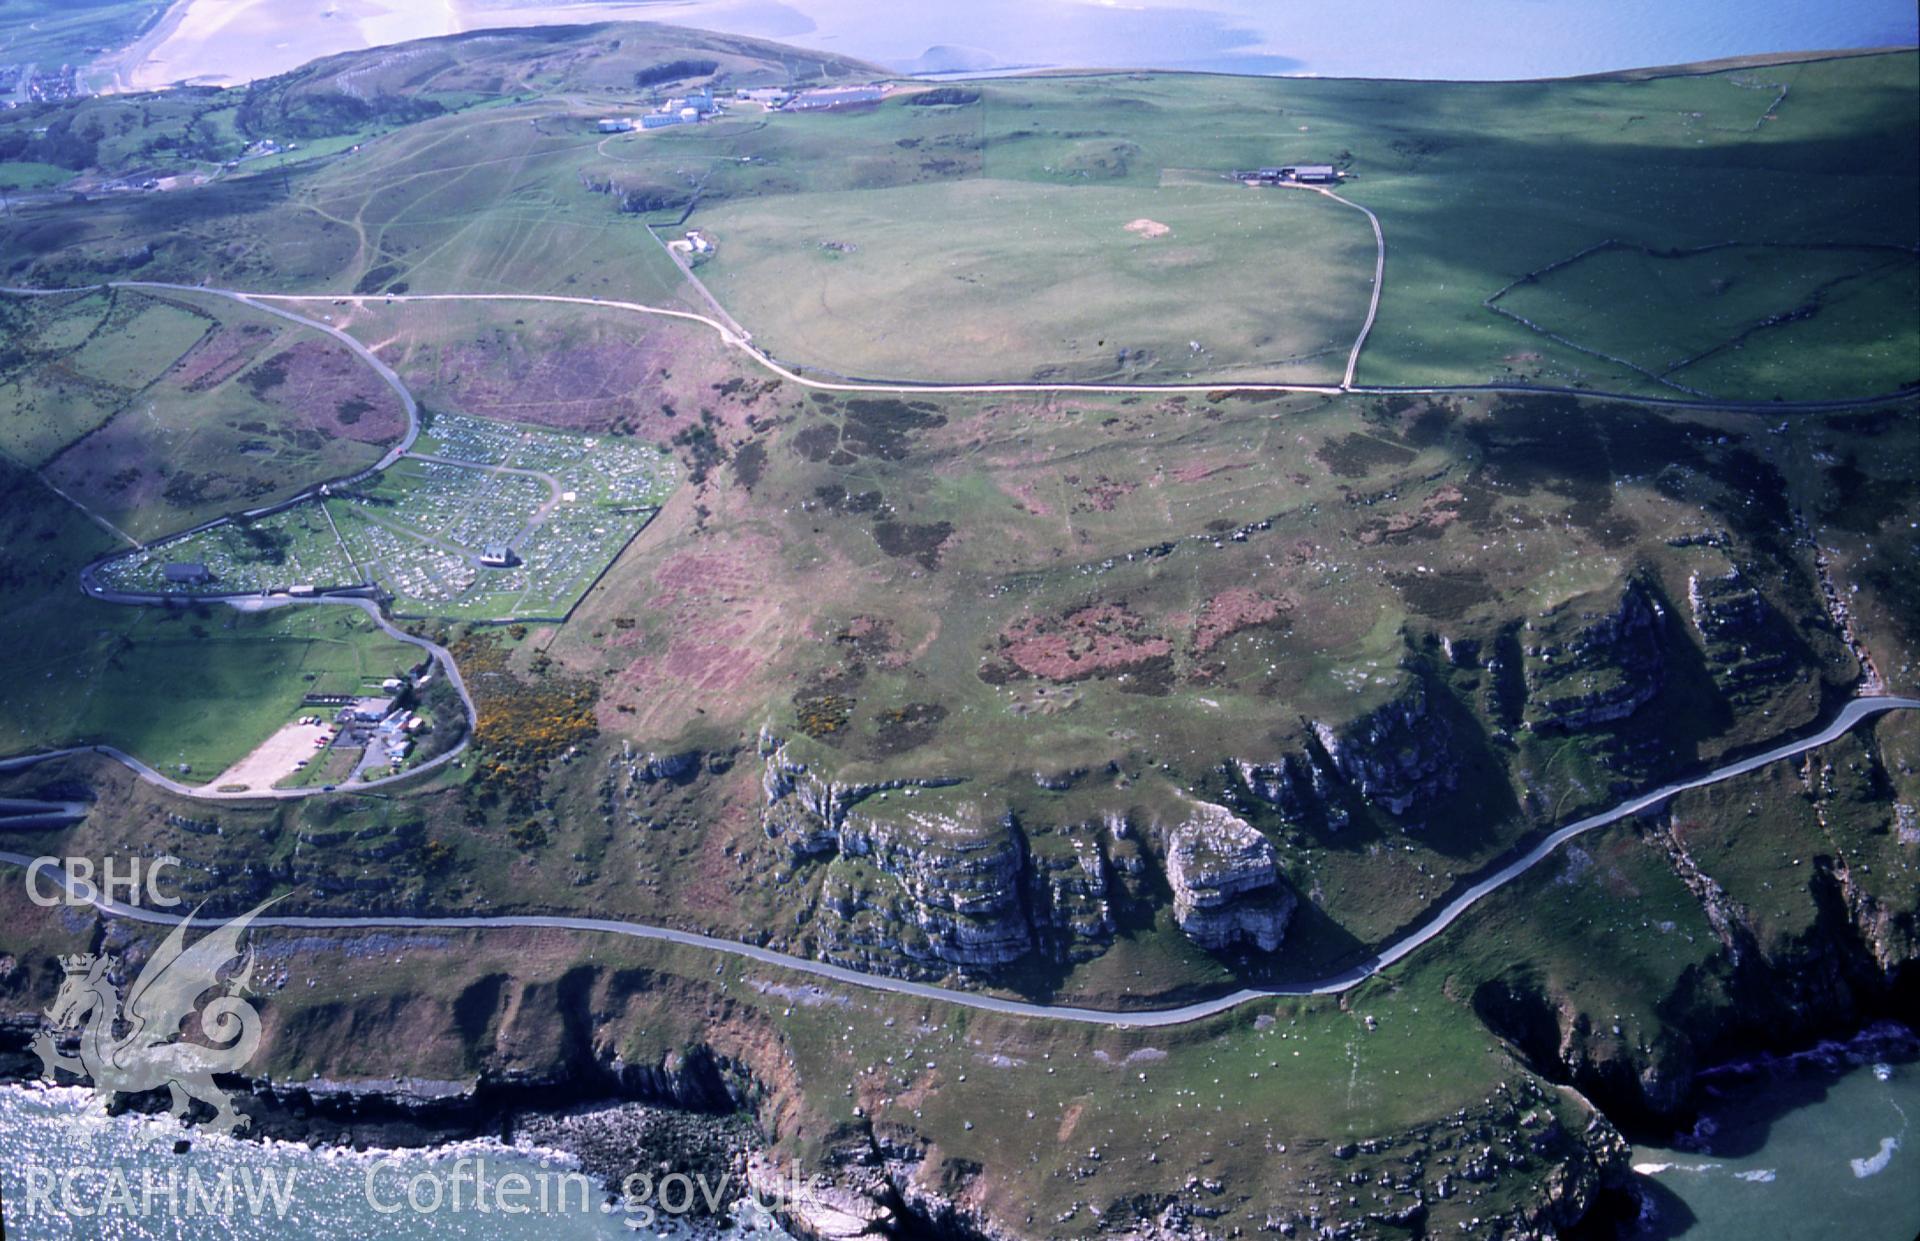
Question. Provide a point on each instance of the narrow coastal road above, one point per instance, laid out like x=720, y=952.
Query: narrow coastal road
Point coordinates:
x=1851, y=715
x=734, y=336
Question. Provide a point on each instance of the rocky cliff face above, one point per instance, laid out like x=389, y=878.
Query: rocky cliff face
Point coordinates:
x=920, y=881
x=890, y=1181
x=1226, y=885
x=938, y=888
x=1401, y=757
x=805, y=811
x=1850, y=965
x=1070, y=891
x=1591, y=667
x=1300, y=786
x=1746, y=643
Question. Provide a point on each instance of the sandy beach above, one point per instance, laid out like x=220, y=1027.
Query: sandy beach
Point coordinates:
x=228, y=42
x=225, y=42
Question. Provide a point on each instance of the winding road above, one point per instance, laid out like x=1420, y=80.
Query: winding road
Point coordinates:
x=738, y=339
x=441, y=656
x=1852, y=714
x=1379, y=277
x=912, y=388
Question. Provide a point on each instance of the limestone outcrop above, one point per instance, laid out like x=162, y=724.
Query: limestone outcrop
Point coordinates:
x=1746, y=644
x=936, y=887
x=1399, y=756
x=921, y=880
x=1226, y=883
x=1607, y=665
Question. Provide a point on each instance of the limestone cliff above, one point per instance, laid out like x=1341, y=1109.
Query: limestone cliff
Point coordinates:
x=1587, y=667
x=921, y=880
x=1401, y=757
x=939, y=887
x=1747, y=645
x=1226, y=885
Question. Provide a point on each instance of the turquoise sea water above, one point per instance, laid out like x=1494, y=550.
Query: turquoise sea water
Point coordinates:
x=1805, y=1148
x=1479, y=39
x=283, y=1190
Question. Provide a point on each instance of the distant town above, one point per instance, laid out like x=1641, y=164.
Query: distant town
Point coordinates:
x=703, y=104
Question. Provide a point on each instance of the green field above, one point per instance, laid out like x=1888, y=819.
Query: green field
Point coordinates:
x=123, y=353
x=181, y=690
x=1027, y=281
x=193, y=688
x=200, y=685
x=1475, y=186
x=28, y=175
x=992, y=228
x=159, y=412
x=1805, y=320
x=48, y=395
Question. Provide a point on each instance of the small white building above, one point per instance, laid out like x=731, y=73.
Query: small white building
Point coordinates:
x=369, y=709
x=616, y=125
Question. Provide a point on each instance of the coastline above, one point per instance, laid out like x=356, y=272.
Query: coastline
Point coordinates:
x=1640, y=73
x=606, y=1132
x=604, y=1139
x=201, y=28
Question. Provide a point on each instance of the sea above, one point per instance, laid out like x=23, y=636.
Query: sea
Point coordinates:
x=1472, y=40
x=233, y=41
x=1807, y=1147
x=68, y=1170
x=1792, y=1148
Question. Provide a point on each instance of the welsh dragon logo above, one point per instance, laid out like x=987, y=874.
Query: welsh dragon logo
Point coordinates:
x=137, y=1045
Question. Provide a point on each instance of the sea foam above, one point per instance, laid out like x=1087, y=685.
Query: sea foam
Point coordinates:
x=1875, y=1164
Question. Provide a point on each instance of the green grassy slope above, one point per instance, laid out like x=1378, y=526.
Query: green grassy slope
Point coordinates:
x=199, y=686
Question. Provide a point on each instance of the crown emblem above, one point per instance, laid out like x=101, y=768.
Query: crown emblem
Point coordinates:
x=130, y=1044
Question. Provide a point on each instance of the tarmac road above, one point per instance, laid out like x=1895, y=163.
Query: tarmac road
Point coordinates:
x=1849, y=716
